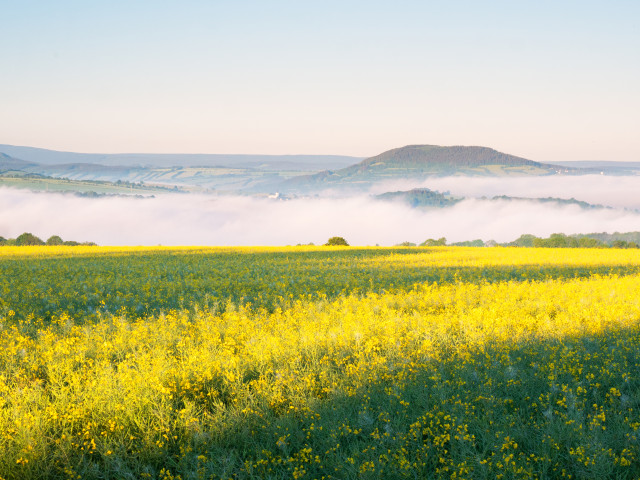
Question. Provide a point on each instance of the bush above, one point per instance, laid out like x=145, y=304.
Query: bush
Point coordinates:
x=336, y=242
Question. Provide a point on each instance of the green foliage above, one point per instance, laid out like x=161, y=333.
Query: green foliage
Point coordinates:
x=28, y=239
x=420, y=197
x=430, y=242
x=587, y=242
x=469, y=243
x=609, y=238
x=406, y=244
x=623, y=244
x=560, y=240
x=54, y=240
x=337, y=242
x=525, y=240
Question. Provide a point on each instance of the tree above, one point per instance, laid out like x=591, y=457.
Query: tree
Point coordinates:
x=336, y=242
x=430, y=242
x=588, y=242
x=28, y=239
x=525, y=240
x=54, y=240
x=620, y=244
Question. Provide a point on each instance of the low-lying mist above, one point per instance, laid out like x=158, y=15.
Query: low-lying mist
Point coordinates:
x=239, y=220
x=615, y=191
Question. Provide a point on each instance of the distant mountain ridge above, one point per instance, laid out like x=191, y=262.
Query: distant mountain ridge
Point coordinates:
x=53, y=157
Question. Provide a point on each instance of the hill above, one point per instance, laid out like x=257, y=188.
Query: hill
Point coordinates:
x=424, y=197
x=7, y=162
x=422, y=161
x=434, y=158
x=228, y=173
x=419, y=197
x=556, y=200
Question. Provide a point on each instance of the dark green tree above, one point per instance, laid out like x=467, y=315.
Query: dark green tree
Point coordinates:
x=430, y=242
x=525, y=240
x=28, y=239
x=588, y=242
x=336, y=242
x=54, y=240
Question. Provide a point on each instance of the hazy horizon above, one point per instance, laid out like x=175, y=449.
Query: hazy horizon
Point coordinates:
x=295, y=154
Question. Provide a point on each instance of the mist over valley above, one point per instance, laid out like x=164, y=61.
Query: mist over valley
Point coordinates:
x=403, y=195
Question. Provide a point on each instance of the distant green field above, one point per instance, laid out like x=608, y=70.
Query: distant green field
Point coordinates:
x=64, y=185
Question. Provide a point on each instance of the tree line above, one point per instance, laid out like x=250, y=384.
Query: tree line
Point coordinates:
x=555, y=240
x=29, y=239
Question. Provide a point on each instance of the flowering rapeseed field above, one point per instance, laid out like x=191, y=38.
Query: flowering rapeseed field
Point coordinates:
x=311, y=362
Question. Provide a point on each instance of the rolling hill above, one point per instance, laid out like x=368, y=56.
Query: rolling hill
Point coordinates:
x=422, y=161
x=206, y=172
x=7, y=162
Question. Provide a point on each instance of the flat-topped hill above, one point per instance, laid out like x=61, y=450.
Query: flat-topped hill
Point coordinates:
x=421, y=161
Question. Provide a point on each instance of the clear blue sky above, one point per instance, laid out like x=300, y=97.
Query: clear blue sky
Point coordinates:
x=547, y=80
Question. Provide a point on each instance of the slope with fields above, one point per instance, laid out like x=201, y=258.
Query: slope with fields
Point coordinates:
x=87, y=188
x=201, y=172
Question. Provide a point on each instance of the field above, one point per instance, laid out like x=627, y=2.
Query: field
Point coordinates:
x=64, y=185
x=316, y=362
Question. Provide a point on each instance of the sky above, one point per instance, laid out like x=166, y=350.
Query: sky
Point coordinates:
x=545, y=80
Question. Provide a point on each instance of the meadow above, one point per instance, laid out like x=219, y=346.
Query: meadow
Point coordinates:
x=318, y=362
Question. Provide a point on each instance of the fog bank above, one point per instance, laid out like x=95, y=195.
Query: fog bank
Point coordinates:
x=233, y=220
x=615, y=191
